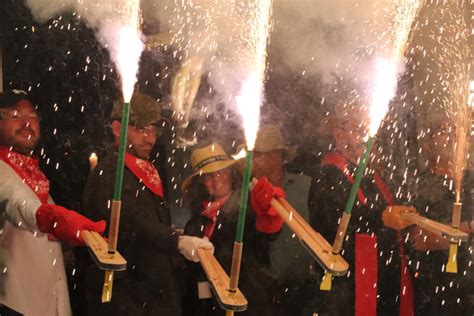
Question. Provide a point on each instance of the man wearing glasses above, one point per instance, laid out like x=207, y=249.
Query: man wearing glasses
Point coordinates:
x=146, y=238
x=32, y=277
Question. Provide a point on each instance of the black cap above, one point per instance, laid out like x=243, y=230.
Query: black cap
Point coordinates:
x=12, y=97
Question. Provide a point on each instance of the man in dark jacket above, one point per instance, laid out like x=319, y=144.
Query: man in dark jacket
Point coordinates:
x=372, y=284
x=146, y=239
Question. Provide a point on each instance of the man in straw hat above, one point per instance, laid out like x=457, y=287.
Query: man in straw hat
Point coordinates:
x=214, y=191
x=32, y=281
x=146, y=238
x=290, y=262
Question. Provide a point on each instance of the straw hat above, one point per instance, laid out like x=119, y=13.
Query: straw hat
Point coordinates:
x=207, y=159
x=269, y=138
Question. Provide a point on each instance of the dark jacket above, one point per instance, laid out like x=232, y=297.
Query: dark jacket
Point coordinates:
x=328, y=196
x=255, y=276
x=146, y=241
x=436, y=291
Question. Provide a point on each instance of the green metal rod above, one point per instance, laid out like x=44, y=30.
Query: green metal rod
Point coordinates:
x=244, y=194
x=358, y=176
x=121, y=152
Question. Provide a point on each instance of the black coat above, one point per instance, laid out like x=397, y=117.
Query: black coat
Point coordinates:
x=255, y=280
x=328, y=197
x=436, y=291
x=146, y=241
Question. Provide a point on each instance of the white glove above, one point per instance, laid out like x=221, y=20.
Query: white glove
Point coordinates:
x=187, y=246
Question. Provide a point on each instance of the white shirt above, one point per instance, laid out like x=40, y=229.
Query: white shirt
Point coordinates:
x=32, y=276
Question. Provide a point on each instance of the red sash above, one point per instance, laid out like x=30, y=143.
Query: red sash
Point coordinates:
x=27, y=168
x=211, y=211
x=146, y=172
x=366, y=253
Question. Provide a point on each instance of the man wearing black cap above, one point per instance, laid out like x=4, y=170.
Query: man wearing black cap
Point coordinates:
x=146, y=239
x=33, y=281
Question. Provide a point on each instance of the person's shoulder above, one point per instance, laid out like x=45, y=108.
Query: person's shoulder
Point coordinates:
x=7, y=173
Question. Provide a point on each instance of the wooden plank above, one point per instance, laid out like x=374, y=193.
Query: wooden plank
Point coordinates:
x=98, y=249
x=445, y=231
x=313, y=241
x=219, y=281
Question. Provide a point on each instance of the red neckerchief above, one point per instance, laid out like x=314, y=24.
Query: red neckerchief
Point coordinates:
x=366, y=252
x=27, y=168
x=211, y=211
x=146, y=172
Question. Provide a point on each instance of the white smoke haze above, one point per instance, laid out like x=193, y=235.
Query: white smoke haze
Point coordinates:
x=328, y=38
x=111, y=20
x=335, y=38
x=331, y=39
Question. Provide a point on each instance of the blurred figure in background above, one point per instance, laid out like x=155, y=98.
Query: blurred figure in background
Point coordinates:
x=374, y=282
x=291, y=263
x=436, y=291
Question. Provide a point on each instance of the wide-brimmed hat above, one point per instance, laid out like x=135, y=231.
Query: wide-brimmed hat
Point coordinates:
x=12, y=97
x=207, y=159
x=144, y=110
x=269, y=137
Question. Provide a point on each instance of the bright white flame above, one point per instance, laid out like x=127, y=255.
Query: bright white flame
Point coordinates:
x=387, y=69
x=241, y=154
x=129, y=49
x=470, y=100
x=125, y=45
x=248, y=103
x=250, y=96
x=384, y=89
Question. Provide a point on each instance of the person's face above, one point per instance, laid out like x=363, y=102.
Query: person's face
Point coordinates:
x=267, y=163
x=439, y=145
x=141, y=140
x=219, y=183
x=350, y=136
x=19, y=127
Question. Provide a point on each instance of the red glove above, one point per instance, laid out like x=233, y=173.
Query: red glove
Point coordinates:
x=267, y=221
x=65, y=225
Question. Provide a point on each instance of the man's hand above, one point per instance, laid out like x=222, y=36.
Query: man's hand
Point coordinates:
x=423, y=240
x=267, y=219
x=64, y=224
x=392, y=219
x=262, y=194
x=188, y=245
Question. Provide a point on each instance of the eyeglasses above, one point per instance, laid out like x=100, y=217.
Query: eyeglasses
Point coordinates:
x=16, y=116
x=148, y=130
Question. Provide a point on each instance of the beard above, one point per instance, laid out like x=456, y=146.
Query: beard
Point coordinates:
x=25, y=140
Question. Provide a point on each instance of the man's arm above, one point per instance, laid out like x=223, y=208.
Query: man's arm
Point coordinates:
x=17, y=205
x=21, y=207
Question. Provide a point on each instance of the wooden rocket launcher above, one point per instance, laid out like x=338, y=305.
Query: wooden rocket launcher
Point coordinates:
x=312, y=241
